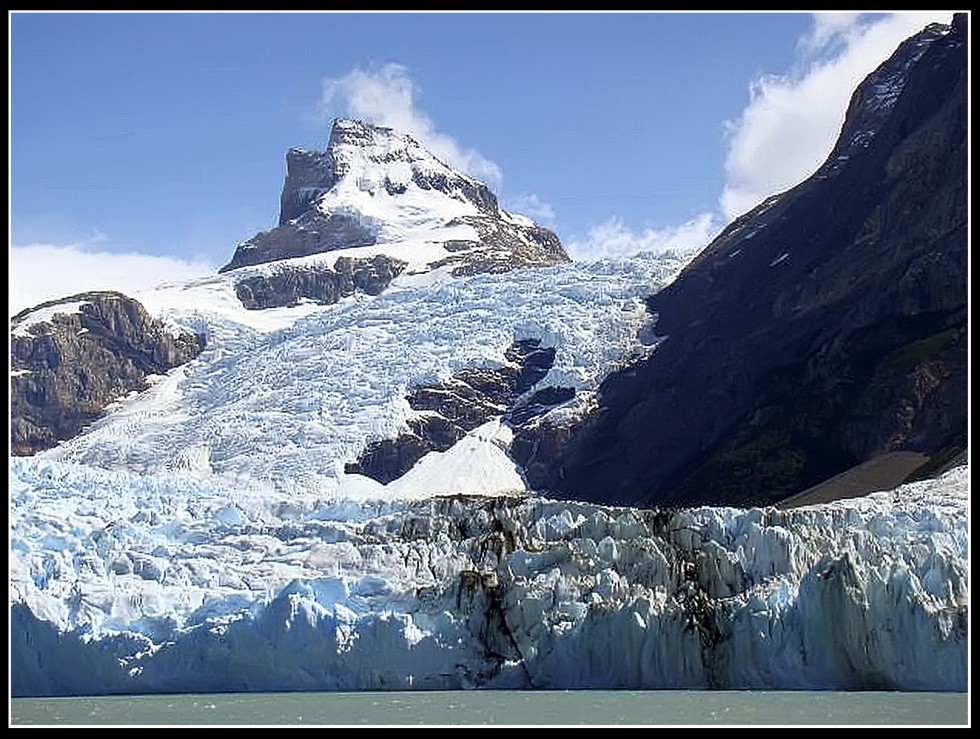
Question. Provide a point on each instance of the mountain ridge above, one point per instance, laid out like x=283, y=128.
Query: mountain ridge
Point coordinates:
x=826, y=326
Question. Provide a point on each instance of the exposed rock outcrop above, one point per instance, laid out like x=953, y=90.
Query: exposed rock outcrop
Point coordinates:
x=72, y=357
x=501, y=246
x=472, y=397
x=309, y=233
x=288, y=285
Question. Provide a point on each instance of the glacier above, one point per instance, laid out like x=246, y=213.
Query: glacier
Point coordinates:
x=129, y=583
x=281, y=398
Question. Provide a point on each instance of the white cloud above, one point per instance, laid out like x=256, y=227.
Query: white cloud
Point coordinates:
x=792, y=120
x=533, y=207
x=386, y=97
x=614, y=239
x=829, y=28
x=40, y=272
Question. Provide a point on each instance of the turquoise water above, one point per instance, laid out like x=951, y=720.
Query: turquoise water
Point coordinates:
x=507, y=708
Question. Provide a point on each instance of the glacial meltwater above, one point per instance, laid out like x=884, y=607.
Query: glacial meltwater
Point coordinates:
x=503, y=708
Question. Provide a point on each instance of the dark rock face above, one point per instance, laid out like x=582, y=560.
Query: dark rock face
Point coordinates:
x=310, y=233
x=66, y=370
x=288, y=286
x=823, y=328
x=309, y=174
x=470, y=399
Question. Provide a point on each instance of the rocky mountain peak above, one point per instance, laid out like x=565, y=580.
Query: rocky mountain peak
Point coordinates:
x=375, y=186
x=372, y=157
x=378, y=156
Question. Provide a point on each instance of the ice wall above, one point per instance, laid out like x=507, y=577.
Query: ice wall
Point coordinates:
x=495, y=592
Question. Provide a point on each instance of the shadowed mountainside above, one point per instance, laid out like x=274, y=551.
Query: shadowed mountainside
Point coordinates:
x=822, y=329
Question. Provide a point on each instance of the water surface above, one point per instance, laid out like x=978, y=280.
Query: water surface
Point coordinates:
x=503, y=707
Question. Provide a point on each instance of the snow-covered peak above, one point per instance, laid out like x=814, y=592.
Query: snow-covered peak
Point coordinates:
x=362, y=150
x=395, y=184
x=377, y=186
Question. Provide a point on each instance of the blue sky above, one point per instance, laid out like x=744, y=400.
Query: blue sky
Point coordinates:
x=145, y=146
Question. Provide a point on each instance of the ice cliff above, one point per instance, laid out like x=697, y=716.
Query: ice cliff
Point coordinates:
x=128, y=584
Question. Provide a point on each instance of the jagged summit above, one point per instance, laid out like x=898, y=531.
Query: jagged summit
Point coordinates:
x=372, y=158
x=375, y=186
x=874, y=100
